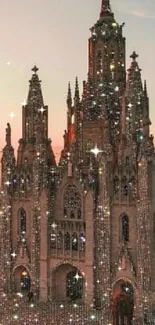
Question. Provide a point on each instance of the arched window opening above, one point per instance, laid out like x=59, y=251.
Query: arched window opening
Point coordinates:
x=65, y=213
x=74, y=242
x=25, y=280
x=79, y=214
x=82, y=242
x=72, y=202
x=125, y=228
x=67, y=241
x=89, y=146
x=124, y=186
x=132, y=187
x=22, y=181
x=60, y=240
x=53, y=240
x=72, y=216
x=74, y=285
x=15, y=183
x=27, y=181
x=116, y=187
x=123, y=303
x=22, y=221
x=127, y=161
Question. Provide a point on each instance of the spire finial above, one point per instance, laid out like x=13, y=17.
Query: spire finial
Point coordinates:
x=145, y=87
x=105, y=7
x=8, y=135
x=35, y=69
x=134, y=56
x=69, y=96
x=77, y=95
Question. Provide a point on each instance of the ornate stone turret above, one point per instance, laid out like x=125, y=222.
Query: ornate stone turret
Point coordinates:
x=134, y=101
x=34, y=112
x=8, y=161
x=69, y=97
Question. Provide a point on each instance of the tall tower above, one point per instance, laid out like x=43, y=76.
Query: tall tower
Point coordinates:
x=107, y=48
x=116, y=164
x=25, y=199
x=106, y=73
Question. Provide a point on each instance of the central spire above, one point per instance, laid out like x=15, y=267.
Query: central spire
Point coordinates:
x=105, y=8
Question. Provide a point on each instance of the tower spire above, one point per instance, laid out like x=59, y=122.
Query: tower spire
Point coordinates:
x=69, y=96
x=8, y=135
x=105, y=8
x=76, y=95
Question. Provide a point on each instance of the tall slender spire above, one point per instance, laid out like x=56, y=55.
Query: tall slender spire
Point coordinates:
x=69, y=96
x=105, y=8
x=8, y=135
x=145, y=88
x=76, y=95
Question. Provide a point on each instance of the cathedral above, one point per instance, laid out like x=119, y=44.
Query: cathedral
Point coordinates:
x=80, y=232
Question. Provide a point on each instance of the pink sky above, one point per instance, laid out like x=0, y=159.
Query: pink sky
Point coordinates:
x=53, y=35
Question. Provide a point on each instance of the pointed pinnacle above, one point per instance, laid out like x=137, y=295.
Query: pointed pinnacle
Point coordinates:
x=69, y=96
x=145, y=88
x=77, y=95
x=105, y=7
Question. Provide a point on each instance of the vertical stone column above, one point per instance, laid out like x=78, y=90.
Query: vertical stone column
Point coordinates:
x=143, y=311
x=89, y=209
x=102, y=243
x=43, y=246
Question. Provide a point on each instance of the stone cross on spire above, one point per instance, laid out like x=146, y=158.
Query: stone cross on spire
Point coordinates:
x=35, y=69
x=134, y=56
x=105, y=7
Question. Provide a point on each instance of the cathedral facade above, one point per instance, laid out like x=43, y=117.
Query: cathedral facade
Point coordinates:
x=82, y=230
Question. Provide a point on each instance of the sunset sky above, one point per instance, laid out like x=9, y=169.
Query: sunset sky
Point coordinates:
x=53, y=35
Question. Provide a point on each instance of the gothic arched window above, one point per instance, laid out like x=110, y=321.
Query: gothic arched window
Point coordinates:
x=125, y=190
x=72, y=202
x=79, y=214
x=74, y=242
x=89, y=146
x=22, y=221
x=15, y=183
x=125, y=228
x=67, y=241
x=116, y=187
x=27, y=182
x=132, y=187
x=82, y=242
x=74, y=285
x=60, y=240
x=22, y=182
x=53, y=240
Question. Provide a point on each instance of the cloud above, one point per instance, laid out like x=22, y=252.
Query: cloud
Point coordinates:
x=141, y=14
x=128, y=8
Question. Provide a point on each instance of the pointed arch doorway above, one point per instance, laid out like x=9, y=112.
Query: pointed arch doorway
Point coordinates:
x=123, y=303
x=22, y=279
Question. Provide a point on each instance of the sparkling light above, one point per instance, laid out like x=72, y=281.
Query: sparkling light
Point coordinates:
x=95, y=151
x=12, y=115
